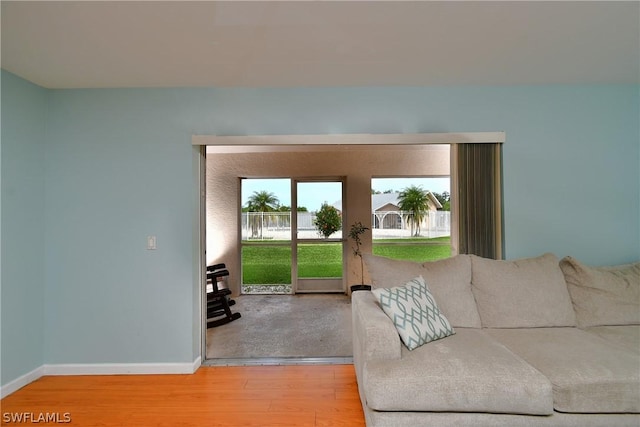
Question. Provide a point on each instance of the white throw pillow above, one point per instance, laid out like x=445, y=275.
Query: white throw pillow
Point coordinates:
x=414, y=313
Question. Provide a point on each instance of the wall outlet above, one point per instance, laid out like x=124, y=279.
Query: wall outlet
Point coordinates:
x=151, y=243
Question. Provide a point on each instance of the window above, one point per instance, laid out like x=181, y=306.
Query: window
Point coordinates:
x=411, y=218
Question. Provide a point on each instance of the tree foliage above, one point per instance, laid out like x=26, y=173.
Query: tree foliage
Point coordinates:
x=328, y=220
x=263, y=201
x=414, y=201
x=354, y=233
x=445, y=200
x=389, y=191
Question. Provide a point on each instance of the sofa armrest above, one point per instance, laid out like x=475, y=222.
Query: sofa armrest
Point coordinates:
x=374, y=335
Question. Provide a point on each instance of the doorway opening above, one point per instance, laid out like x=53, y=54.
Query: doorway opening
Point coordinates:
x=357, y=157
x=312, y=308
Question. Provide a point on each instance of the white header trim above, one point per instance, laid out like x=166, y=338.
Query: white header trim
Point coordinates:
x=351, y=139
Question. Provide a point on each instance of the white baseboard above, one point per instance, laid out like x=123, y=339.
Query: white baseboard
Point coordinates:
x=121, y=368
x=196, y=364
x=21, y=381
x=100, y=369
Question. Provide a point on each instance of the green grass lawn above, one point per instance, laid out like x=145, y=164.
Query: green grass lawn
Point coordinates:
x=320, y=260
x=263, y=264
x=268, y=264
x=416, y=249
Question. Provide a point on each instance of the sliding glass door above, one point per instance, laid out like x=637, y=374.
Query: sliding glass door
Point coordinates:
x=317, y=238
x=291, y=234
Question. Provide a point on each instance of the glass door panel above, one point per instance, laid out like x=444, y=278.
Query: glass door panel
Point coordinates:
x=320, y=260
x=265, y=229
x=317, y=242
x=266, y=269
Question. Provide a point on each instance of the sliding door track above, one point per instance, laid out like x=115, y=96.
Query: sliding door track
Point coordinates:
x=275, y=361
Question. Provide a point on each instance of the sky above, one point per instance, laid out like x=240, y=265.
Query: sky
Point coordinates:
x=312, y=195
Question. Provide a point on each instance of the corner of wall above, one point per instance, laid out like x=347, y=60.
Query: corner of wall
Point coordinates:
x=23, y=121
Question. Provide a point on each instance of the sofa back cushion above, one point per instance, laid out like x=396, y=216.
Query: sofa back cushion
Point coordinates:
x=603, y=296
x=448, y=279
x=523, y=293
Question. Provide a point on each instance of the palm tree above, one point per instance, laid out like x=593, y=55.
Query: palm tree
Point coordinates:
x=261, y=201
x=414, y=201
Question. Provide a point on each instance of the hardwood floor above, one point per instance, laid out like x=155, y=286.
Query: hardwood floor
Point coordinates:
x=261, y=396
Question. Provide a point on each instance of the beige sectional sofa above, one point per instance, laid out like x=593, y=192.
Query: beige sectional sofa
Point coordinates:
x=536, y=341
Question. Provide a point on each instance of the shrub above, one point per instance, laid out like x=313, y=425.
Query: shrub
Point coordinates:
x=328, y=220
x=354, y=233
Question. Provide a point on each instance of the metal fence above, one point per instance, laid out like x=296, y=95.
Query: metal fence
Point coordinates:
x=386, y=224
x=276, y=225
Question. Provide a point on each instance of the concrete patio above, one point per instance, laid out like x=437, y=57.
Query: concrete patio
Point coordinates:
x=285, y=326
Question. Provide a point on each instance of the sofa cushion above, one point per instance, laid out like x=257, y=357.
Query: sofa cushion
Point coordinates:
x=603, y=295
x=589, y=375
x=467, y=372
x=627, y=336
x=414, y=313
x=387, y=272
x=528, y=292
x=449, y=281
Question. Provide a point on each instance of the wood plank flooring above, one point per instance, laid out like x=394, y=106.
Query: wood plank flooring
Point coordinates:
x=260, y=396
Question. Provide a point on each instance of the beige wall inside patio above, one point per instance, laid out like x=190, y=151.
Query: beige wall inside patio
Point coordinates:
x=357, y=163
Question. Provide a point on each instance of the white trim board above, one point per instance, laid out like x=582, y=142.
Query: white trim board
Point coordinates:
x=351, y=139
x=99, y=369
x=122, y=368
x=18, y=383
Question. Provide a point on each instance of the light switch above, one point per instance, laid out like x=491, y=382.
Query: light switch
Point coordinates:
x=151, y=242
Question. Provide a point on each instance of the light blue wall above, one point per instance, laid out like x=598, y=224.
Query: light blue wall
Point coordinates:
x=124, y=169
x=571, y=160
x=120, y=167
x=22, y=227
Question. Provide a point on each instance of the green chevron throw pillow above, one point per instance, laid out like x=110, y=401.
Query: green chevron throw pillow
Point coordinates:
x=414, y=312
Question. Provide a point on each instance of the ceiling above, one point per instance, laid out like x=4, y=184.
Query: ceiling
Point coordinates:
x=314, y=44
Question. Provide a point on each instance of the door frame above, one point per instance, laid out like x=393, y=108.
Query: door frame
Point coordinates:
x=295, y=280
x=258, y=143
